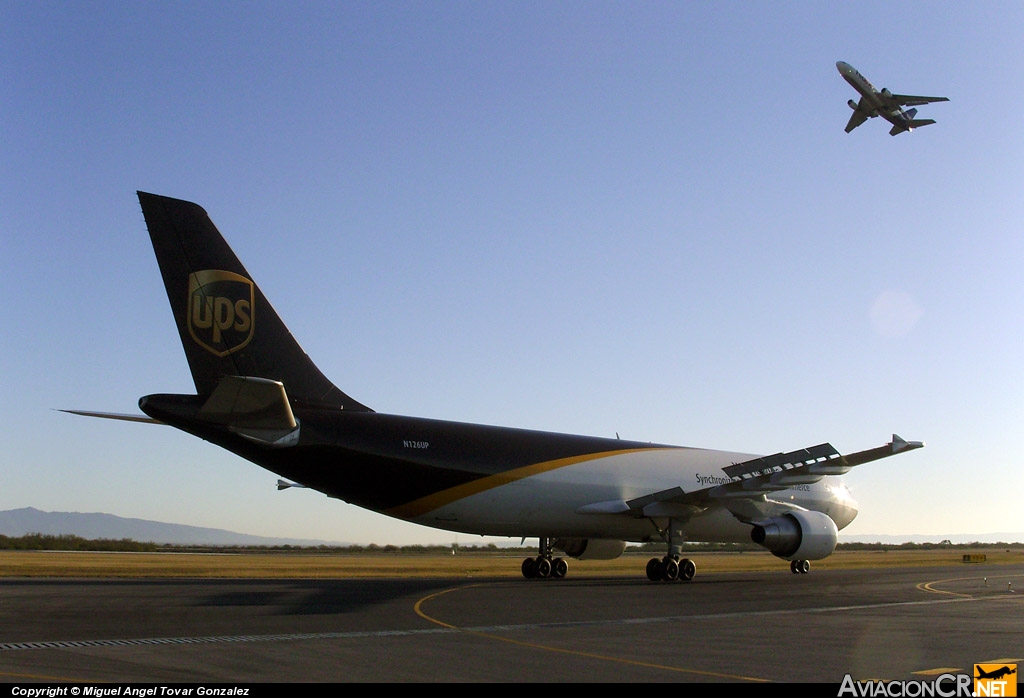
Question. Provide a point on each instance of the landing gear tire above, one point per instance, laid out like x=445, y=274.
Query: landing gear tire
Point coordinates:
x=800, y=566
x=673, y=567
x=559, y=568
x=529, y=568
x=543, y=567
x=670, y=569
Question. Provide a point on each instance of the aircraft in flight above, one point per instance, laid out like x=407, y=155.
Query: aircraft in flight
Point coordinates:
x=996, y=674
x=261, y=397
x=885, y=104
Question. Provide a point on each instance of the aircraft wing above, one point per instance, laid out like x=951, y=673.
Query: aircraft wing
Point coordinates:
x=806, y=466
x=858, y=118
x=748, y=483
x=914, y=101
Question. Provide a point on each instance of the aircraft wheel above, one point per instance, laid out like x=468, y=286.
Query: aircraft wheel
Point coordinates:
x=687, y=569
x=543, y=567
x=529, y=568
x=559, y=568
x=654, y=569
x=670, y=569
x=794, y=567
x=805, y=566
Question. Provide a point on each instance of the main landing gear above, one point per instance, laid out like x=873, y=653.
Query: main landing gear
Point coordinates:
x=800, y=567
x=672, y=567
x=544, y=566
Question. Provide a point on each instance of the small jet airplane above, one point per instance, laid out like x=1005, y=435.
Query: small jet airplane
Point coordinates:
x=260, y=396
x=885, y=104
x=996, y=674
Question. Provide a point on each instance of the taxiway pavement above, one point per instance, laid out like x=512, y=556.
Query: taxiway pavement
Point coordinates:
x=748, y=627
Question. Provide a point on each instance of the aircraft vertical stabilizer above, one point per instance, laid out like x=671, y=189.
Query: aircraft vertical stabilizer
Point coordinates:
x=226, y=325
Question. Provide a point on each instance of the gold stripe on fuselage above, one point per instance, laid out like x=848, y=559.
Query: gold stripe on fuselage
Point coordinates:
x=421, y=506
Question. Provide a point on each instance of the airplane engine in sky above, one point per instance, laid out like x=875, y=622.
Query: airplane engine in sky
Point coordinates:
x=798, y=535
x=591, y=548
x=853, y=105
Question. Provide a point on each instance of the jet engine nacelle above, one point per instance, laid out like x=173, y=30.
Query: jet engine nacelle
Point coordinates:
x=591, y=548
x=886, y=93
x=853, y=105
x=798, y=535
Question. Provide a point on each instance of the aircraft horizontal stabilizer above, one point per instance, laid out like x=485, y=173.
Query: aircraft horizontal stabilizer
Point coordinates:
x=909, y=126
x=256, y=408
x=115, y=415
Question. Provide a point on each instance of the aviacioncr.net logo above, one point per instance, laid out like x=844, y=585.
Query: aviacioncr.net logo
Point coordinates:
x=221, y=310
x=995, y=680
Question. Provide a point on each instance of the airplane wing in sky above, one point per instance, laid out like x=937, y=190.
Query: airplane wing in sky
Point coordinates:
x=856, y=120
x=913, y=101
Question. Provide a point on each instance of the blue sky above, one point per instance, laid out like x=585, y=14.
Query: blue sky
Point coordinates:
x=641, y=218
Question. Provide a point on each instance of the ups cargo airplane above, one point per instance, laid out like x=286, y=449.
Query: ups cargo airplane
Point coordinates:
x=885, y=104
x=261, y=397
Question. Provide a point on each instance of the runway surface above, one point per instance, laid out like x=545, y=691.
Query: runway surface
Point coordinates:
x=746, y=627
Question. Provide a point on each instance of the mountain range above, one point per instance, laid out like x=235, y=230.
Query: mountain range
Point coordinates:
x=20, y=522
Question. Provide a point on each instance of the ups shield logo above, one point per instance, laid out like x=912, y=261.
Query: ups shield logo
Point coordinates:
x=220, y=310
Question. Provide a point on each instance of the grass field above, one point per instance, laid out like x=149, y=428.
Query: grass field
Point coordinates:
x=340, y=566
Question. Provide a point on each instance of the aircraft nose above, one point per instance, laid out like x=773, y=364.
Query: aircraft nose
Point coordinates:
x=843, y=507
x=845, y=514
x=842, y=66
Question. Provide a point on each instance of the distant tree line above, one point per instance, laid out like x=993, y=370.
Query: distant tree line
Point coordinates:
x=941, y=545
x=745, y=547
x=40, y=541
